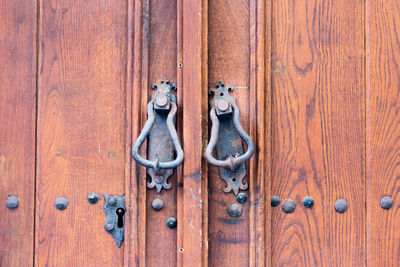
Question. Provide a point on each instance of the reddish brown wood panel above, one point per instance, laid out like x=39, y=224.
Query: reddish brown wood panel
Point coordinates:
x=81, y=129
x=192, y=216
x=318, y=131
x=383, y=131
x=162, y=46
x=17, y=130
x=229, y=61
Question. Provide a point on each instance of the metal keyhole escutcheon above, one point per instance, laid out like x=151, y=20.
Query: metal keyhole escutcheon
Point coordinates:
x=163, y=141
x=226, y=135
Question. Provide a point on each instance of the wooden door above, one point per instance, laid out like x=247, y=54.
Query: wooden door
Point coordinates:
x=316, y=83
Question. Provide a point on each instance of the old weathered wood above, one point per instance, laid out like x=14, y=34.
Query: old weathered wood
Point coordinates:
x=17, y=130
x=318, y=131
x=162, y=63
x=383, y=131
x=194, y=108
x=229, y=61
x=81, y=129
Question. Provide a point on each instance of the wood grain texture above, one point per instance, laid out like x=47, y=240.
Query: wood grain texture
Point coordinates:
x=318, y=131
x=162, y=63
x=260, y=131
x=229, y=62
x=194, y=107
x=17, y=130
x=383, y=132
x=81, y=129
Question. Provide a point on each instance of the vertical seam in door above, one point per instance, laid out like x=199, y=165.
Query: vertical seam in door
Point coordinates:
x=366, y=82
x=38, y=13
x=128, y=128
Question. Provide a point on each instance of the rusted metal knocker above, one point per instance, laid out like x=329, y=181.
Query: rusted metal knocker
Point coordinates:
x=163, y=138
x=225, y=118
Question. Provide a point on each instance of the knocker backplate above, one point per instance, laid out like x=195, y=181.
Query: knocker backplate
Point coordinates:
x=229, y=141
x=160, y=143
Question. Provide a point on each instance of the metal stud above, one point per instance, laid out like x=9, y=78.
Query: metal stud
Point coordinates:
x=341, y=205
x=241, y=198
x=288, y=206
x=308, y=202
x=386, y=202
x=112, y=201
x=171, y=222
x=61, y=203
x=235, y=210
x=93, y=198
x=275, y=201
x=157, y=204
x=12, y=202
x=109, y=227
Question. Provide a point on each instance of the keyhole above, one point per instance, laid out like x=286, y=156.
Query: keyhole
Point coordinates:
x=120, y=212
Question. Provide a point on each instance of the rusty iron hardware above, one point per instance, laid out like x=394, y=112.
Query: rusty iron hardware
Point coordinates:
x=225, y=118
x=12, y=202
x=114, y=208
x=341, y=205
x=288, y=206
x=386, y=202
x=61, y=203
x=163, y=138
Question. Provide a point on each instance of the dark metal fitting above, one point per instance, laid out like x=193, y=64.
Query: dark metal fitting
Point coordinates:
x=157, y=204
x=171, y=222
x=61, y=203
x=161, y=100
x=241, y=198
x=288, y=206
x=235, y=210
x=12, y=202
x=93, y=198
x=341, y=205
x=275, y=201
x=109, y=226
x=112, y=201
x=225, y=118
x=308, y=202
x=386, y=202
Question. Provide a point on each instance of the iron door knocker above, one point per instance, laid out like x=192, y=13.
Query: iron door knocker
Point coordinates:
x=163, y=138
x=225, y=118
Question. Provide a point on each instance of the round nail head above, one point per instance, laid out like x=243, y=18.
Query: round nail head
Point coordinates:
x=235, y=210
x=386, y=202
x=275, y=201
x=161, y=100
x=171, y=222
x=109, y=226
x=157, y=204
x=341, y=205
x=112, y=201
x=12, y=202
x=93, y=198
x=61, y=203
x=241, y=198
x=308, y=202
x=288, y=206
x=222, y=105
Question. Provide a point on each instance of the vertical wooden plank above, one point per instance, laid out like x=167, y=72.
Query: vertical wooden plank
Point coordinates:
x=161, y=241
x=81, y=129
x=383, y=132
x=229, y=62
x=194, y=86
x=17, y=130
x=260, y=131
x=131, y=203
x=318, y=131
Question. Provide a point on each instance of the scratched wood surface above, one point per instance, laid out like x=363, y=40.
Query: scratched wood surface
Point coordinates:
x=17, y=130
x=192, y=26
x=229, y=61
x=383, y=132
x=81, y=129
x=162, y=64
x=318, y=132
